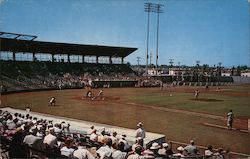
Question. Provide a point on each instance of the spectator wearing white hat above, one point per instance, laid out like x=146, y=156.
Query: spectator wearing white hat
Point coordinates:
x=180, y=154
x=165, y=151
x=155, y=148
x=191, y=149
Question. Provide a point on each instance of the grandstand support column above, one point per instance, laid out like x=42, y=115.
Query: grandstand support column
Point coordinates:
x=68, y=58
x=53, y=58
x=83, y=59
x=97, y=59
x=110, y=59
x=14, y=56
x=33, y=56
x=122, y=60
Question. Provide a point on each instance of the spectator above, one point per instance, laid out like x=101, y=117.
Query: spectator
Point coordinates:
x=105, y=151
x=82, y=152
x=219, y=154
x=137, y=154
x=28, y=109
x=119, y=154
x=138, y=142
x=209, y=151
x=34, y=142
x=101, y=138
x=155, y=148
x=93, y=136
x=124, y=140
x=17, y=148
x=67, y=150
x=50, y=140
x=91, y=130
x=114, y=138
x=191, y=149
x=180, y=154
x=165, y=151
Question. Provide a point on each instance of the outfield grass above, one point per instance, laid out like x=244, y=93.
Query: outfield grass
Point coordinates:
x=221, y=105
x=176, y=126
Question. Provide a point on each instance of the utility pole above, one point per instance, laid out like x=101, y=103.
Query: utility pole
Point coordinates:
x=171, y=62
x=197, y=63
x=150, y=58
x=138, y=61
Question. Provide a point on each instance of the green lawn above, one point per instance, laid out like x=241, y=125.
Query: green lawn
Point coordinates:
x=240, y=105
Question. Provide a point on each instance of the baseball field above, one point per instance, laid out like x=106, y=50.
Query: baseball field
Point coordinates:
x=172, y=111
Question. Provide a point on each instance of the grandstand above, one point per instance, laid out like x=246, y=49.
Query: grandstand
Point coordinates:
x=43, y=65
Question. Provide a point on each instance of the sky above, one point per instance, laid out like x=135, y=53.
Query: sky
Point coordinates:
x=209, y=31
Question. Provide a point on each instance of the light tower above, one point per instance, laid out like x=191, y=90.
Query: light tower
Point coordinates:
x=248, y=29
x=148, y=8
x=158, y=8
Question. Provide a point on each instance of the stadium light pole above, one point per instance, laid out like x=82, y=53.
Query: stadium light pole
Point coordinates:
x=158, y=8
x=148, y=9
x=248, y=29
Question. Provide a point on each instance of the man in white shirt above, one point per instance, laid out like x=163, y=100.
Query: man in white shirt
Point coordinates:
x=67, y=150
x=34, y=142
x=191, y=149
x=140, y=132
x=209, y=151
x=50, y=139
x=82, y=152
x=105, y=151
x=123, y=139
x=119, y=154
x=114, y=138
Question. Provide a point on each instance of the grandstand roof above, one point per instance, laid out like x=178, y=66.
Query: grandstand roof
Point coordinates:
x=17, y=45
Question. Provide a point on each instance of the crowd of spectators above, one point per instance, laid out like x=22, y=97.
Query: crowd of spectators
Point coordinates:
x=24, y=136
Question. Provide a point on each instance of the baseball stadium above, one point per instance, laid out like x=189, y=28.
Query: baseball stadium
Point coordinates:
x=72, y=85
x=169, y=111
